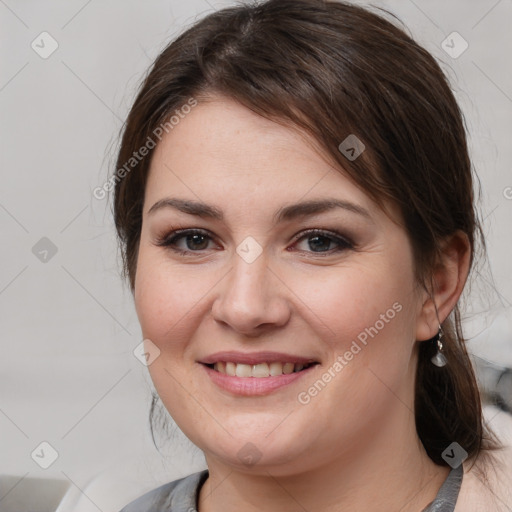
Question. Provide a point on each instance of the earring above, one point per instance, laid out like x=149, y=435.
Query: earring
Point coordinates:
x=439, y=358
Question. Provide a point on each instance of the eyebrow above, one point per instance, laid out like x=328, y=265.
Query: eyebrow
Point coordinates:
x=285, y=213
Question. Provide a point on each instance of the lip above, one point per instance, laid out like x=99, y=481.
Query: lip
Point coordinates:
x=254, y=386
x=255, y=358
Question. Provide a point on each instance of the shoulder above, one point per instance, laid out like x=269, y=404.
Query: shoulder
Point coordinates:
x=177, y=496
x=487, y=484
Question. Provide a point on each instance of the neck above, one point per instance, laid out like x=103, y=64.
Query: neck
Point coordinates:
x=388, y=470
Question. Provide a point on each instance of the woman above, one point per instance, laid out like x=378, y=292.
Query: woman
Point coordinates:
x=294, y=204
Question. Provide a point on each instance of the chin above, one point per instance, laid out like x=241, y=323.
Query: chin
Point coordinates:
x=256, y=451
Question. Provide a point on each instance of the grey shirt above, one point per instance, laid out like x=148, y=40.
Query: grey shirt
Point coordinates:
x=182, y=495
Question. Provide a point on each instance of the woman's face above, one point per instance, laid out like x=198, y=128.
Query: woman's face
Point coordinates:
x=250, y=289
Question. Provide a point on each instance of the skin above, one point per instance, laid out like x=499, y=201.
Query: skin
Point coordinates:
x=354, y=446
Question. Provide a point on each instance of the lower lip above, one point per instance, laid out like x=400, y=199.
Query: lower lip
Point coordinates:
x=253, y=386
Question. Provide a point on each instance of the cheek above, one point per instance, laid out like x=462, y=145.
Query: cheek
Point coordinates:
x=356, y=302
x=166, y=299
x=371, y=318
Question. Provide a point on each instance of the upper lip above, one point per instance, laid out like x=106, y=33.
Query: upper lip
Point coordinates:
x=255, y=358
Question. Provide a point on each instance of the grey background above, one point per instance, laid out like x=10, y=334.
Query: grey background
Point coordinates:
x=68, y=375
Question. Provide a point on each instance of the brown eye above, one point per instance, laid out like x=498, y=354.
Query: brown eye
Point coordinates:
x=186, y=240
x=319, y=241
x=196, y=241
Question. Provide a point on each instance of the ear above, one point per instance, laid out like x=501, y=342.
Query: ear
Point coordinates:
x=448, y=280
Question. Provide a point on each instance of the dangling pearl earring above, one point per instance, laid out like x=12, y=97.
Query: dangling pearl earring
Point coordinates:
x=439, y=359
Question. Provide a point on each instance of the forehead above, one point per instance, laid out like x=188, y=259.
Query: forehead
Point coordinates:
x=225, y=154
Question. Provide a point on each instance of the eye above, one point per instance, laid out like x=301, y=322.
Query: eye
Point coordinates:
x=320, y=241
x=187, y=241
x=193, y=240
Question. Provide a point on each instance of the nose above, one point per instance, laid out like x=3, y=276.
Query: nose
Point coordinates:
x=252, y=299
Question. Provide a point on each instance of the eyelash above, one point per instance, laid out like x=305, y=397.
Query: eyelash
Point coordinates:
x=343, y=242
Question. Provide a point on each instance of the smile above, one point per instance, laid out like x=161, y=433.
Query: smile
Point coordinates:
x=259, y=370
x=255, y=374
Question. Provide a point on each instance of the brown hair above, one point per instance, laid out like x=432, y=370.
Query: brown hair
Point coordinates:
x=334, y=69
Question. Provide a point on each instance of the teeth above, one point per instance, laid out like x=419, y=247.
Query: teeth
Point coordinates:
x=276, y=369
x=289, y=368
x=259, y=370
x=243, y=370
x=230, y=369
